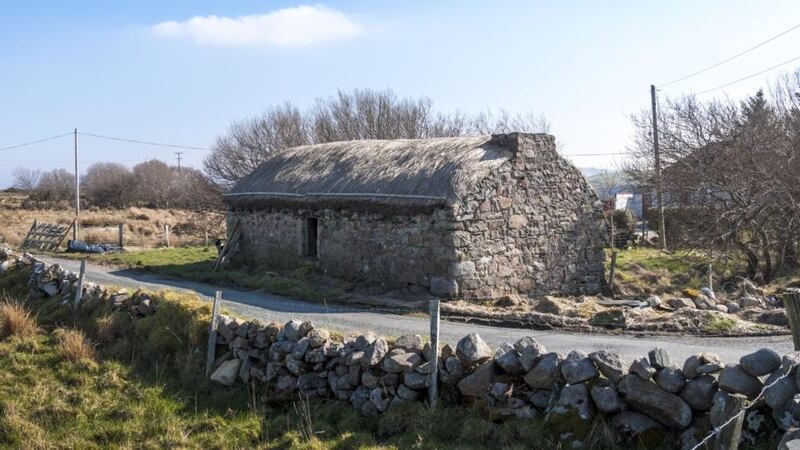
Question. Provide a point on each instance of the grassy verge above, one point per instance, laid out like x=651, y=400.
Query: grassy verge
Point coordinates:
x=102, y=380
x=653, y=271
x=194, y=263
x=97, y=378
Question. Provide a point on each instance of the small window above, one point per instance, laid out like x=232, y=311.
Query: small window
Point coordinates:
x=310, y=237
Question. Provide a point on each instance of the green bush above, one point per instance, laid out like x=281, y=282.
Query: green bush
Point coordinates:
x=624, y=226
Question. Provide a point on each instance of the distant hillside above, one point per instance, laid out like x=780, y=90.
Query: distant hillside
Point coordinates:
x=591, y=171
x=609, y=182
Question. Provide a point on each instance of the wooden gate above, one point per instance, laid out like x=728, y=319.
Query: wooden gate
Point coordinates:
x=45, y=236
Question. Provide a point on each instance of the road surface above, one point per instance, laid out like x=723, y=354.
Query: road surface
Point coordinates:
x=267, y=307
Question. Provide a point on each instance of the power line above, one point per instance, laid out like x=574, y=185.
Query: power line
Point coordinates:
x=39, y=141
x=136, y=141
x=731, y=58
x=749, y=76
x=179, y=158
x=595, y=154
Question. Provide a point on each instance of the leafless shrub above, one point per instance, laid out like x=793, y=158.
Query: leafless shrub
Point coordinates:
x=54, y=186
x=247, y=143
x=358, y=114
x=108, y=184
x=26, y=178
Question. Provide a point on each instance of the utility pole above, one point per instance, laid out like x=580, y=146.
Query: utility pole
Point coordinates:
x=77, y=191
x=659, y=189
x=179, y=159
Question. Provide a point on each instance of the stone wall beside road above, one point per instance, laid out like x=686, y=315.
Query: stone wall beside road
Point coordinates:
x=642, y=399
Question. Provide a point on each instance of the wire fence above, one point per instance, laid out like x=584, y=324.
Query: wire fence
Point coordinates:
x=717, y=430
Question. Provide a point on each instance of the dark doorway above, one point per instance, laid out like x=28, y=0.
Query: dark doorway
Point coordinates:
x=310, y=238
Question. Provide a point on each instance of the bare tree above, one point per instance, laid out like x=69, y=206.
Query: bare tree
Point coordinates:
x=358, y=114
x=54, y=186
x=368, y=114
x=247, y=143
x=153, y=184
x=487, y=122
x=26, y=178
x=728, y=174
x=108, y=184
x=193, y=190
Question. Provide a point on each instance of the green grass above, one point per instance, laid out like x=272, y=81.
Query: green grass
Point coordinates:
x=719, y=325
x=49, y=402
x=194, y=263
x=146, y=389
x=653, y=271
x=654, y=259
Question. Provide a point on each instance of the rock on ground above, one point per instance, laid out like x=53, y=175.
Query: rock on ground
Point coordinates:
x=761, y=362
x=735, y=380
x=478, y=382
x=404, y=362
x=227, y=372
x=699, y=392
x=658, y=358
x=790, y=440
x=573, y=412
x=509, y=362
x=670, y=379
x=780, y=391
x=472, y=349
x=545, y=373
x=606, y=398
x=642, y=368
x=577, y=368
x=647, y=397
x=410, y=342
x=632, y=426
x=610, y=364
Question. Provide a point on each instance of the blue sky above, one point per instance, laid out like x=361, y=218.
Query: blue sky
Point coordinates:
x=110, y=68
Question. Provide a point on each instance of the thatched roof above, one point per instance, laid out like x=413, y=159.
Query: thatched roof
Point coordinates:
x=410, y=172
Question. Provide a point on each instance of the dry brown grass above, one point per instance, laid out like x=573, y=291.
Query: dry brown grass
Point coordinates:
x=108, y=329
x=73, y=345
x=144, y=227
x=16, y=320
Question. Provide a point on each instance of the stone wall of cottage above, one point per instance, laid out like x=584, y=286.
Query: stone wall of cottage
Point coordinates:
x=393, y=251
x=534, y=226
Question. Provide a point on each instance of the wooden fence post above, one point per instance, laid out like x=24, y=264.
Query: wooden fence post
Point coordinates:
x=75, y=229
x=730, y=435
x=612, y=272
x=613, y=246
x=433, y=390
x=79, y=291
x=212, y=334
x=119, y=233
x=166, y=235
x=710, y=277
x=791, y=300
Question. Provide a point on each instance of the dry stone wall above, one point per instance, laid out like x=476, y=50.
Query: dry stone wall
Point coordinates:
x=395, y=251
x=533, y=226
x=641, y=399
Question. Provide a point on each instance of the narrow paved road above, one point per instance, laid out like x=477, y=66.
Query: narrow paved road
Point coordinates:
x=268, y=307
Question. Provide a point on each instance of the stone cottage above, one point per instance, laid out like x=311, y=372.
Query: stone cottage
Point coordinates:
x=466, y=217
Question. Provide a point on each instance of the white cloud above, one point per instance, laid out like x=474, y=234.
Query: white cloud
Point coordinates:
x=290, y=27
